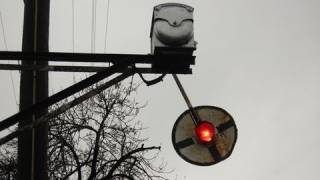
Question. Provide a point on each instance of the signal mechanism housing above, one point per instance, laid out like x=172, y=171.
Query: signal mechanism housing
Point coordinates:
x=172, y=30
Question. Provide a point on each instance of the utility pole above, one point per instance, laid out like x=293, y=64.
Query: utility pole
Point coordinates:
x=32, y=145
x=33, y=116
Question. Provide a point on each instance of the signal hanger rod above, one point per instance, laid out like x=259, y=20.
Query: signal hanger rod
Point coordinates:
x=194, y=115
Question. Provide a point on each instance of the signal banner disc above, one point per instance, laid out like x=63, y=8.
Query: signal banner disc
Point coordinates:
x=186, y=142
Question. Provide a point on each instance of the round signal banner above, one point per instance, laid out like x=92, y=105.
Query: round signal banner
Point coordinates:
x=189, y=146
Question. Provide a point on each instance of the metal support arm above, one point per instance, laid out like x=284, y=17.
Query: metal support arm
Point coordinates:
x=67, y=106
x=89, y=57
x=59, y=96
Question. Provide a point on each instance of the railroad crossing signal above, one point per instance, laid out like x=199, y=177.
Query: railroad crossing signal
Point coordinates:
x=210, y=141
x=202, y=135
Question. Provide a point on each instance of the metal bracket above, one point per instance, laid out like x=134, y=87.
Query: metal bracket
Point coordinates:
x=122, y=63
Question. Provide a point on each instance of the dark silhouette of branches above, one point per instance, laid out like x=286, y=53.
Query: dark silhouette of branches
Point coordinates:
x=8, y=160
x=99, y=139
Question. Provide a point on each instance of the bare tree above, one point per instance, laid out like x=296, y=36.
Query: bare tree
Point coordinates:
x=8, y=160
x=100, y=139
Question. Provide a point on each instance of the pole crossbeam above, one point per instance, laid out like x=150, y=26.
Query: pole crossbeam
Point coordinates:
x=89, y=57
x=169, y=70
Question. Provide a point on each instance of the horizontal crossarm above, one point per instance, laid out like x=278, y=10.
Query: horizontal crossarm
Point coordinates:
x=168, y=70
x=89, y=57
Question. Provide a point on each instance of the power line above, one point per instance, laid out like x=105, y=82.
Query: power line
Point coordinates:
x=73, y=26
x=3, y=33
x=73, y=39
x=93, y=26
x=106, y=28
x=6, y=47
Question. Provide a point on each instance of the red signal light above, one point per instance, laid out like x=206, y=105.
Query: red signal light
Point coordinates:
x=205, y=132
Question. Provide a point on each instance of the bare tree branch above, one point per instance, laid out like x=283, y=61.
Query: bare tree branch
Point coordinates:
x=123, y=158
x=97, y=139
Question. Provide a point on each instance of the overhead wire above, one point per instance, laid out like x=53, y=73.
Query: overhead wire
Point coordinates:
x=93, y=26
x=106, y=29
x=73, y=42
x=6, y=48
x=73, y=38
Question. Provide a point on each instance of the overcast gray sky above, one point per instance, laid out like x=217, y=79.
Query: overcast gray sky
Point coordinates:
x=258, y=59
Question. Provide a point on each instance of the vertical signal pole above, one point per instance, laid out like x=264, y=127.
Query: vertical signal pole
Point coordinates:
x=32, y=145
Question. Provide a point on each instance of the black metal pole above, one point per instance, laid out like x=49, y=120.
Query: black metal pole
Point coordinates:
x=32, y=145
x=41, y=132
